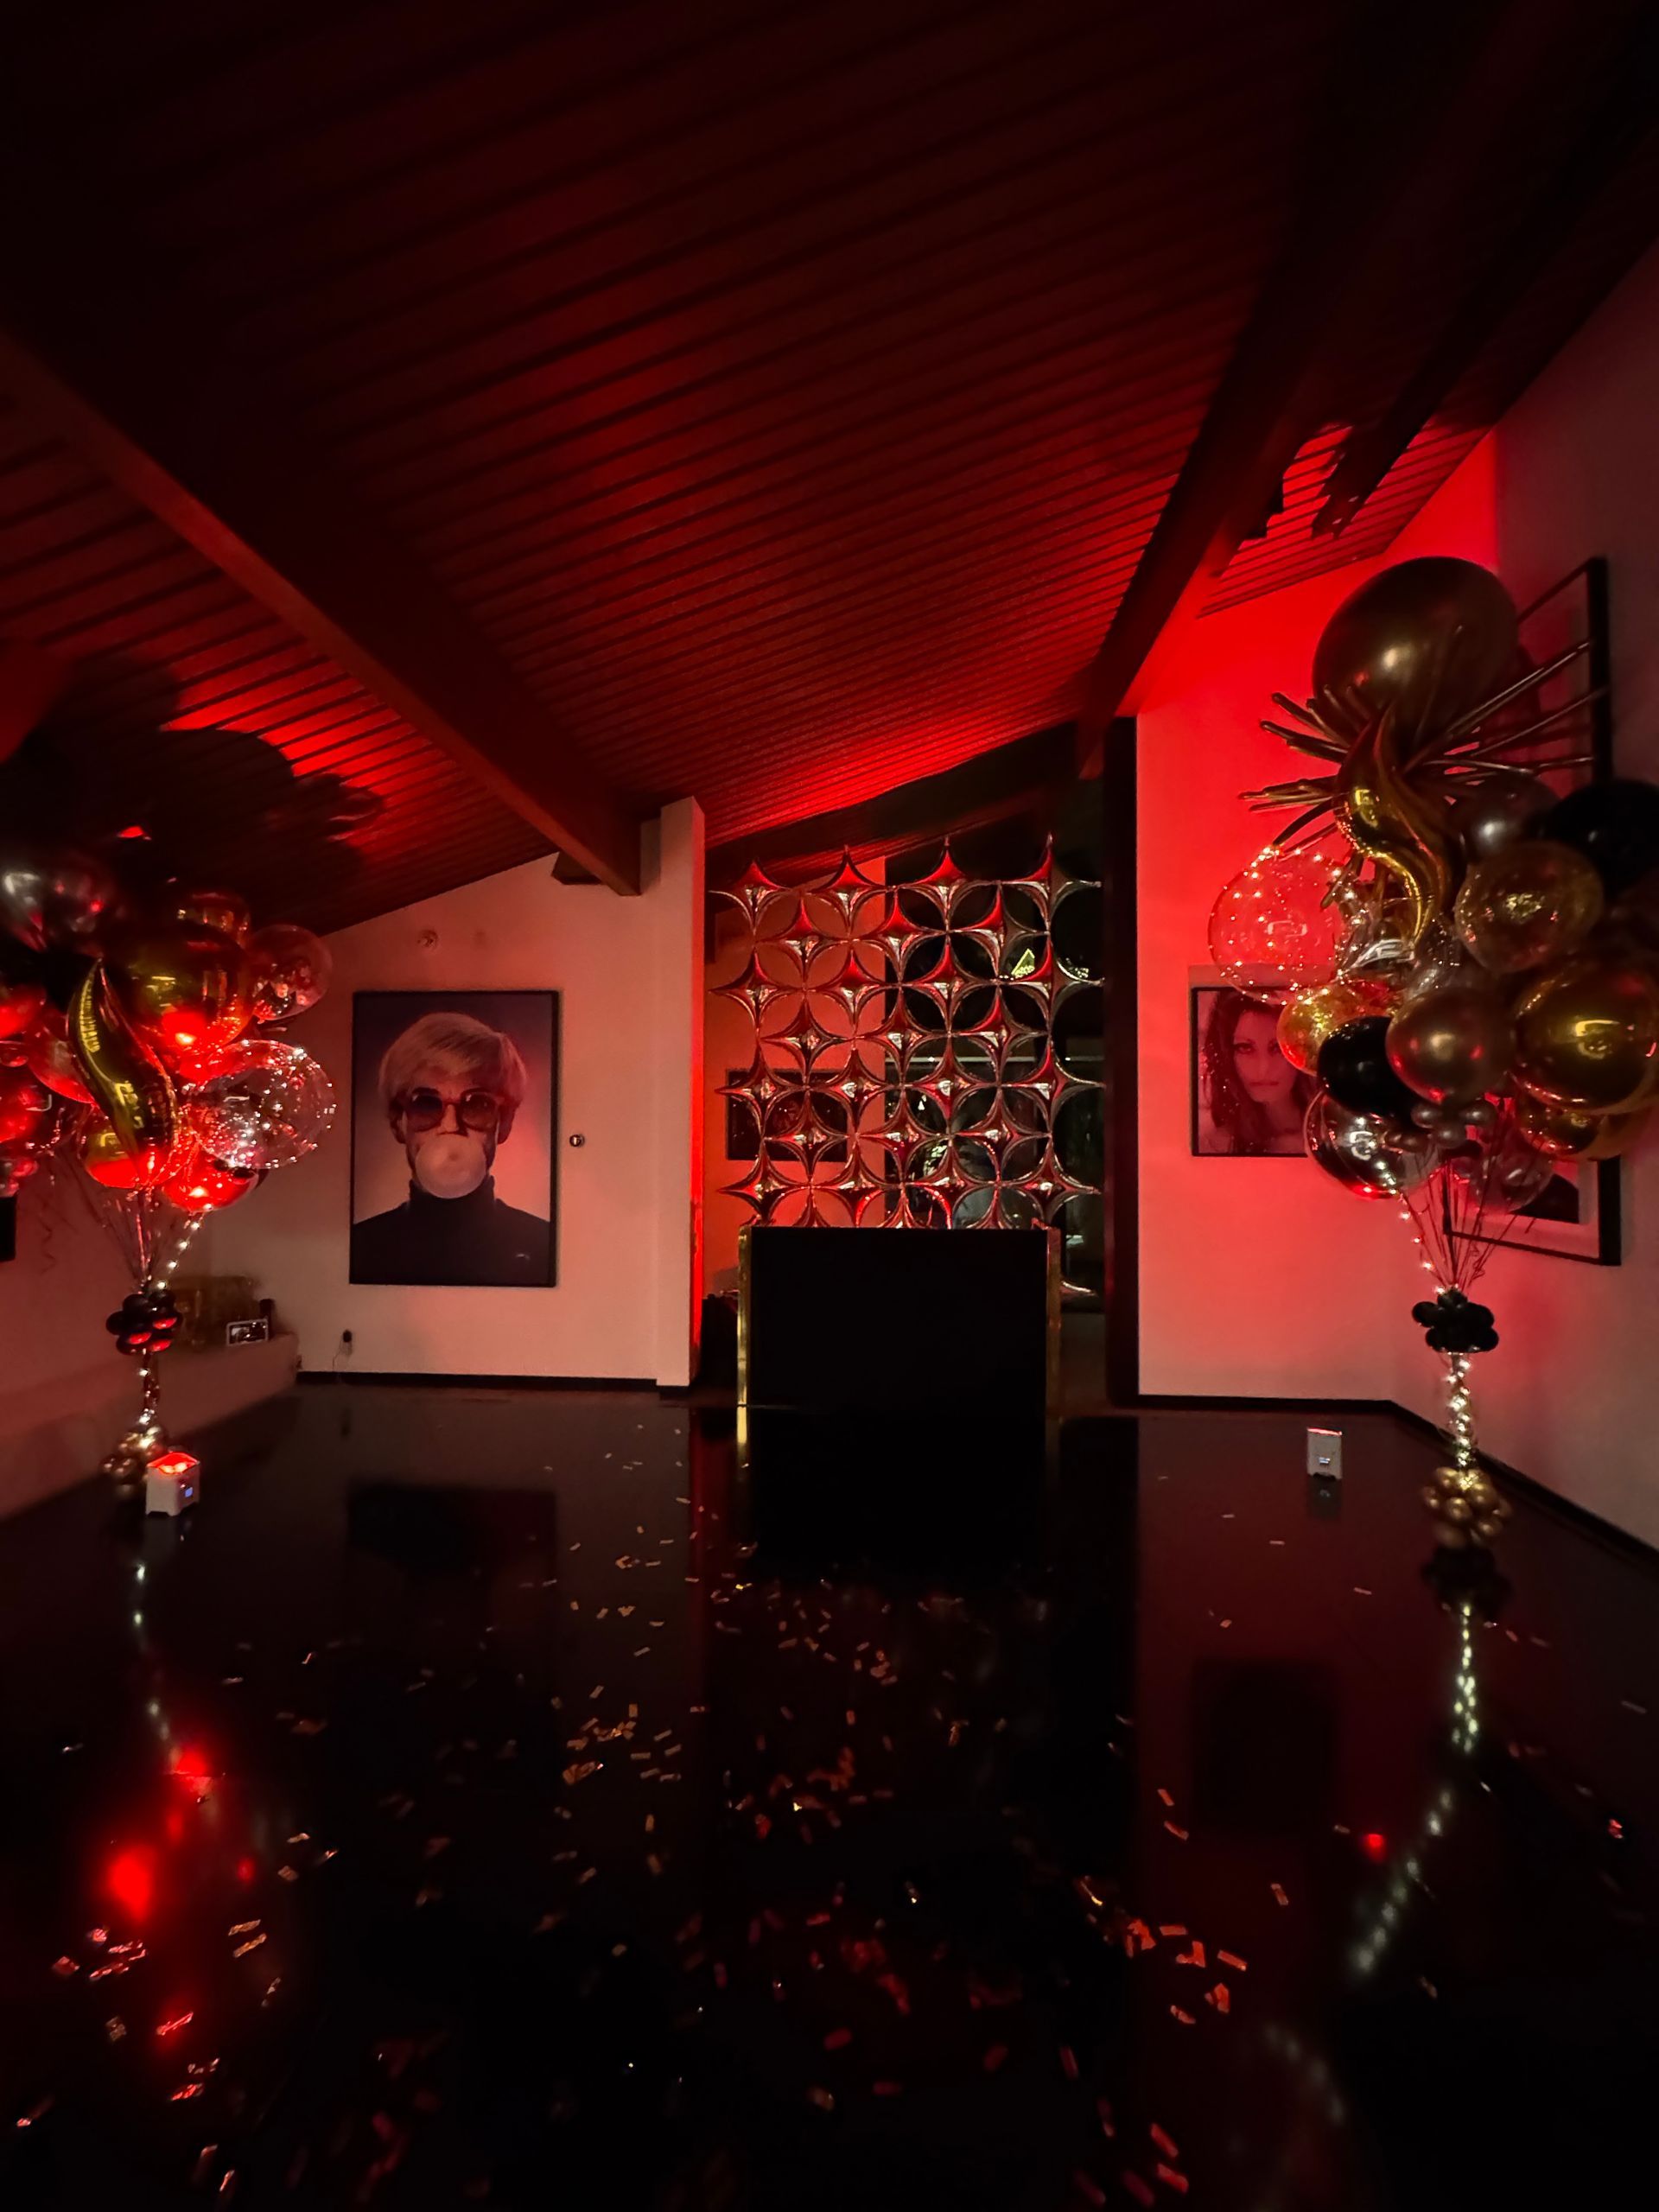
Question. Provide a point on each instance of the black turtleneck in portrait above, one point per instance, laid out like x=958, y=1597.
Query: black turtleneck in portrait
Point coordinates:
x=477, y=1239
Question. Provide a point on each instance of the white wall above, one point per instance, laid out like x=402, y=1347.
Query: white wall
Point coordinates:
x=1256, y=1278
x=629, y=975
x=53, y=1296
x=1259, y=1277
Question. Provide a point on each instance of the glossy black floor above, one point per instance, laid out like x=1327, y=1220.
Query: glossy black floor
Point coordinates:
x=533, y=1800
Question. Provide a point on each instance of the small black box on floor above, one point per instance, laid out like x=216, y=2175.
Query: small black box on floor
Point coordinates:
x=882, y=1319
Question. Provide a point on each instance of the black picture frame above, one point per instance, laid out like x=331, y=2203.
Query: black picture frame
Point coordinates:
x=1203, y=985
x=1576, y=609
x=509, y=1254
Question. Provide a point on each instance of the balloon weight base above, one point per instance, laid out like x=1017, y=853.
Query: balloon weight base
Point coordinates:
x=1467, y=1507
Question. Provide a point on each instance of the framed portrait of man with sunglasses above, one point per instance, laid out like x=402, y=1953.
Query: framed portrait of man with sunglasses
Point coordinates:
x=453, y=1125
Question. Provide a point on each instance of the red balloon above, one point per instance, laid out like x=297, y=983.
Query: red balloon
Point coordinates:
x=202, y=1186
x=20, y=1007
x=16, y=1165
x=51, y=1062
x=23, y=1105
x=107, y=1160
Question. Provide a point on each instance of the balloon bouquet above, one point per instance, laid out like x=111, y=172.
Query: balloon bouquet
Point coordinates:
x=136, y=1046
x=1465, y=960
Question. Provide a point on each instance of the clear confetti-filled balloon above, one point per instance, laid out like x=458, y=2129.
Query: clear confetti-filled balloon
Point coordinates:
x=290, y=969
x=261, y=1105
x=1275, y=928
x=1506, y=1172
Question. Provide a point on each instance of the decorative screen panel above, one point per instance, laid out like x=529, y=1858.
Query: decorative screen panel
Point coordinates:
x=924, y=1054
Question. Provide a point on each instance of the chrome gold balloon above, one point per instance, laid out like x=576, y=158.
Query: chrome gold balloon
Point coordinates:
x=49, y=1058
x=1556, y=1130
x=224, y=911
x=127, y=1082
x=107, y=1160
x=1533, y=903
x=1564, y=1135
x=1426, y=638
x=1318, y=1011
x=1587, y=1037
x=1452, y=1046
x=182, y=989
x=1403, y=829
x=1617, y=1133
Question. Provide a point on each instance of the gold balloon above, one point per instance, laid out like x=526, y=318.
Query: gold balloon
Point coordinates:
x=224, y=911
x=128, y=1082
x=1403, y=830
x=107, y=1160
x=1566, y=1135
x=1316, y=1014
x=1427, y=638
x=1530, y=904
x=49, y=1060
x=1556, y=1130
x=1452, y=1046
x=182, y=989
x=1587, y=1037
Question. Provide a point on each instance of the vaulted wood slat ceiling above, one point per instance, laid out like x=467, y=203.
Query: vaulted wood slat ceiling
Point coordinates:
x=787, y=395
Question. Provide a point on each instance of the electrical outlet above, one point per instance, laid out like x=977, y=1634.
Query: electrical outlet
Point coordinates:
x=345, y=1340
x=1323, y=1498
x=1325, y=1453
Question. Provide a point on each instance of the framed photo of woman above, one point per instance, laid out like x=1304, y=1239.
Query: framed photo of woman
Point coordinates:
x=1247, y=1101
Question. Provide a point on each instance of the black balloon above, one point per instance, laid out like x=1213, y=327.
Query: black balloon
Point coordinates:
x=1615, y=826
x=1353, y=1065
x=145, y=1321
x=1452, y=1322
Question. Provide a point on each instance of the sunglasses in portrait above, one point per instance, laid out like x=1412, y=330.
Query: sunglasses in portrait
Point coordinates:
x=474, y=1110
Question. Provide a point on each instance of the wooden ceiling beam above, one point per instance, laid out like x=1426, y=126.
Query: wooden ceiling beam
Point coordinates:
x=1402, y=125
x=132, y=378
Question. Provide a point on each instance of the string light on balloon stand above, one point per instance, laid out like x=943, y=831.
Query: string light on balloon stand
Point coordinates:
x=1461, y=958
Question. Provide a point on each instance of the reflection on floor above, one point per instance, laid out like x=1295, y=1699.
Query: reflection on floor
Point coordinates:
x=527, y=1799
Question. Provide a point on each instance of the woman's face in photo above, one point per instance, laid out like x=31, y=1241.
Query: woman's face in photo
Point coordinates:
x=1264, y=1071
